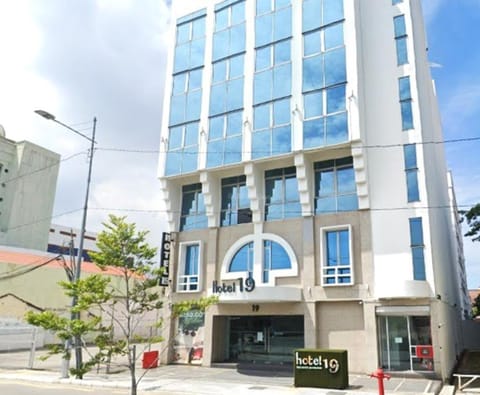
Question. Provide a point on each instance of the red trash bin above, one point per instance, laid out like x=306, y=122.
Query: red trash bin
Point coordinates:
x=150, y=359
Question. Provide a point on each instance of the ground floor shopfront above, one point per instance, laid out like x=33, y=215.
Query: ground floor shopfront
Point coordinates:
x=397, y=338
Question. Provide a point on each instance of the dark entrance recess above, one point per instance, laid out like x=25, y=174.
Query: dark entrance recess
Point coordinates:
x=262, y=340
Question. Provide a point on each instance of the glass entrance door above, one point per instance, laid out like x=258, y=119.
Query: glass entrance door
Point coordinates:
x=405, y=343
x=264, y=338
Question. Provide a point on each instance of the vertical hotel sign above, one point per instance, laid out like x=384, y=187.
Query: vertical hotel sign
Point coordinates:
x=165, y=258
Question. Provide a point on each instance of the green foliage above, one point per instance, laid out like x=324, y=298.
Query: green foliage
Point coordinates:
x=473, y=220
x=476, y=306
x=124, y=302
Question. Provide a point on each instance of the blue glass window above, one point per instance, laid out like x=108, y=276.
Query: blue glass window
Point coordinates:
x=274, y=258
x=281, y=194
x=227, y=85
x=318, y=13
x=182, y=149
x=417, y=246
x=405, y=102
x=229, y=35
x=273, y=72
x=401, y=39
x=272, y=131
x=243, y=260
x=190, y=45
x=411, y=171
x=272, y=23
x=225, y=139
x=188, y=279
x=185, y=103
x=335, y=188
x=394, y=2
x=235, y=202
x=325, y=117
x=337, y=267
x=193, y=215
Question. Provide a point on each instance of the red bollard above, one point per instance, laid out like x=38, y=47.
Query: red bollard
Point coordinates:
x=379, y=375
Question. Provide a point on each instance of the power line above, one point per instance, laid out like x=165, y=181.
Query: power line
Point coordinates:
x=20, y=272
x=43, y=168
x=366, y=146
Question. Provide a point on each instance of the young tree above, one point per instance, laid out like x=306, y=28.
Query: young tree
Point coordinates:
x=122, y=247
x=473, y=221
x=125, y=304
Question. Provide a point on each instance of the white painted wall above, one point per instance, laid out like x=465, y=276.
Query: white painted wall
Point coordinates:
x=27, y=186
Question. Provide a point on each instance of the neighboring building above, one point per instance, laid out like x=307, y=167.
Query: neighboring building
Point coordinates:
x=28, y=178
x=63, y=239
x=303, y=187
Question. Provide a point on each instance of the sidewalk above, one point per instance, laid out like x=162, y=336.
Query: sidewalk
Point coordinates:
x=182, y=379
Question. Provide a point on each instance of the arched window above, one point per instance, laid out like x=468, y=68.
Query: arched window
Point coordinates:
x=242, y=261
x=264, y=257
x=274, y=258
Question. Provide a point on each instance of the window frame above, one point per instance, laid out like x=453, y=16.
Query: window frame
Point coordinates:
x=401, y=41
x=405, y=100
x=199, y=216
x=417, y=248
x=282, y=175
x=258, y=259
x=324, y=259
x=238, y=182
x=411, y=172
x=337, y=164
x=185, y=279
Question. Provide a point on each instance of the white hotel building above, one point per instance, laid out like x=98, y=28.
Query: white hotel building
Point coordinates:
x=303, y=187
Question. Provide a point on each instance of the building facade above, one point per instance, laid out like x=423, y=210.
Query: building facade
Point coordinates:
x=303, y=189
x=64, y=240
x=28, y=180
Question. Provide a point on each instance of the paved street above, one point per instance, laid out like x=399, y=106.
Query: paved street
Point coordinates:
x=16, y=379
x=24, y=388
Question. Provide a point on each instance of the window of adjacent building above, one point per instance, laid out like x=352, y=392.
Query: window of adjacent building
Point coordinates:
x=394, y=2
x=411, y=171
x=324, y=74
x=190, y=45
x=229, y=35
x=281, y=194
x=274, y=258
x=272, y=129
x=189, y=268
x=337, y=265
x=401, y=39
x=242, y=261
x=193, y=215
x=417, y=246
x=405, y=102
x=182, y=149
x=235, y=202
x=335, y=188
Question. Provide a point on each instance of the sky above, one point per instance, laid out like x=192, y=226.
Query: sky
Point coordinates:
x=80, y=59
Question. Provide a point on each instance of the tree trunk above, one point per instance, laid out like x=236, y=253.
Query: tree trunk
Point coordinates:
x=132, y=361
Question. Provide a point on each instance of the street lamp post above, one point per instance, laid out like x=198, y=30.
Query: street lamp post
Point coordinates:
x=77, y=272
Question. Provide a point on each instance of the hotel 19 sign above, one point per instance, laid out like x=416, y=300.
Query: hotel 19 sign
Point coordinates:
x=240, y=284
x=321, y=368
x=165, y=258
